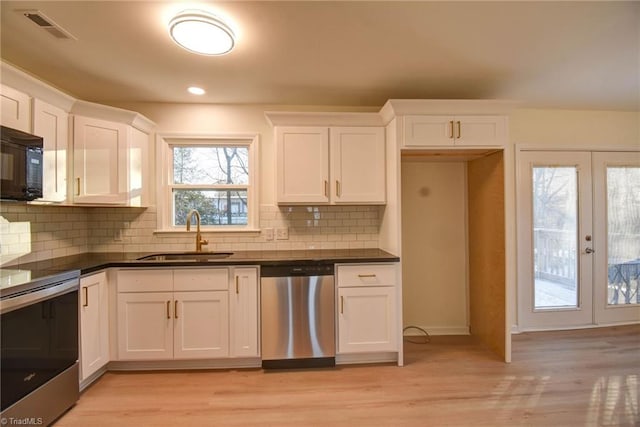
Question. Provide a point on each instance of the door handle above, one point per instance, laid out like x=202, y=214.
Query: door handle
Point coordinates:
x=175, y=309
x=86, y=296
x=589, y=251
x=168, y=308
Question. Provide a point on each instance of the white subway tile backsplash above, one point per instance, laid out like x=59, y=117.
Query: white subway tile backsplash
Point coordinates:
x=35, y=232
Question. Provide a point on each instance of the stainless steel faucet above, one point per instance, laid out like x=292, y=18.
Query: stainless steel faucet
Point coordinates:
x=200, y=242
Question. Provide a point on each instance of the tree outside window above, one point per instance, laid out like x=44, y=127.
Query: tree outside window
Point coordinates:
x=214, y=179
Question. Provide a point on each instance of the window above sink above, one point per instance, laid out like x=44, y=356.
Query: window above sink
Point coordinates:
x=215, y=174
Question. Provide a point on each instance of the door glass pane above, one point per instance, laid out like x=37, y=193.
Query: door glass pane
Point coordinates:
x=623, y=231
x=555, y=219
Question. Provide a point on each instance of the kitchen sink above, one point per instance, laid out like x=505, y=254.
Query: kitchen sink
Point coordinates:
x=186, y=256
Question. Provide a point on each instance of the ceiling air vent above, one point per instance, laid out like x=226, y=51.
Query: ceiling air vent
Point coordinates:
x=42, y=21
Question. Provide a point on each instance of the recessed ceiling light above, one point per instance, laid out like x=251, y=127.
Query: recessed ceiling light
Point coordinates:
x=201, y=32
x=196, y=90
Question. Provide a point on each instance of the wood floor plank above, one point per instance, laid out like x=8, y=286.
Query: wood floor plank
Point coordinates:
x=570, y=378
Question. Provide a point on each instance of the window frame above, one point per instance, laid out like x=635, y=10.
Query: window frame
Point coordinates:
x=164, y=173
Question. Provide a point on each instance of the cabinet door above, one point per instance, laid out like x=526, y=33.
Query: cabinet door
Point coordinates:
x=243, y=299
x=139, y=171
x=480, y=130
x=145, y=326
x=15, y=109
x=201, y=324
x=367, y=319
x=358, y=165
x=94, y=324
x=302, y=165
x=52, y=124
x=100, y=161
x=425, y=131
x=428, y=131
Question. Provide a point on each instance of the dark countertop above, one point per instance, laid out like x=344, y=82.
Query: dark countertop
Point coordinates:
x=91, y=262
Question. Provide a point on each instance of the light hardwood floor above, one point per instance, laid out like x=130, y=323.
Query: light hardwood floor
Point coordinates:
x=574, y=378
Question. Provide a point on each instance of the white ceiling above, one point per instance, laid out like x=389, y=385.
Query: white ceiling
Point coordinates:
x=351, y=53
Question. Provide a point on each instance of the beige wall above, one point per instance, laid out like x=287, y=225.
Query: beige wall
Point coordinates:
x=576, y=129
x=434, y=246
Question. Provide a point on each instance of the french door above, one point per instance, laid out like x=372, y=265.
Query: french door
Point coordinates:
x=578, y=238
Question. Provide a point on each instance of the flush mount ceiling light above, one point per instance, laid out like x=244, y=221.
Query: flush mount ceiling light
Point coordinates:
x=200, y=32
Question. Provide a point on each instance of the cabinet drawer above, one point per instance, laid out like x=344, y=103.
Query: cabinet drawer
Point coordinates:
x=366, y=275
x=201, y=279
x=160, y=280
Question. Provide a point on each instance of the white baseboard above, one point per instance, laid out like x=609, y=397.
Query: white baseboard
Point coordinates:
x=437, y=330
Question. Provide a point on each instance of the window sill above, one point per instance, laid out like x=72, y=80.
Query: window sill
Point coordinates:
x=228, y=231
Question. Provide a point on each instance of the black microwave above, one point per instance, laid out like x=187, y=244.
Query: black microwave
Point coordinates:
x=21, y=165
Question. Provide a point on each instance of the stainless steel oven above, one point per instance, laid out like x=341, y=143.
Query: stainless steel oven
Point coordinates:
x=39, y=350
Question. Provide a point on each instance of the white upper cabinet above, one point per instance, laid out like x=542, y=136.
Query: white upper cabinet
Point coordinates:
x=15, y=109
x=336, y=165
x=358, y=165
x=111, y=152
x=461, y=130
x=52, y=124
x=100, y=161
x=449, y=124
x=303, y=164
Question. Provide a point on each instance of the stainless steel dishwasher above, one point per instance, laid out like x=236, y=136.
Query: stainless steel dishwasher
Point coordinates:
x=298, y=316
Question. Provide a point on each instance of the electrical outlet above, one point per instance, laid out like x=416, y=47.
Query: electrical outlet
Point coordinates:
x=267, y=233
x=282, y=233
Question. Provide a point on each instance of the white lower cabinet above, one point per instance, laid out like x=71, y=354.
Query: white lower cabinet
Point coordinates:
x=145, y=326
x=203, y=313
x=367, y=308
x=201, y=325
x=94, y=324
x=243, y=301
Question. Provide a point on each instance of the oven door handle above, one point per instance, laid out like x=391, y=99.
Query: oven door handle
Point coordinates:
x=14, y=303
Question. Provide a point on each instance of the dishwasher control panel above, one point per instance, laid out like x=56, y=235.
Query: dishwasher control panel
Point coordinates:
x=297, y=270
